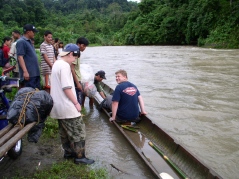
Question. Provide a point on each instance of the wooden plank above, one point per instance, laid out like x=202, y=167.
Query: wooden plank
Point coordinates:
x=10, y=143
x=8, y=135
x=5, y=129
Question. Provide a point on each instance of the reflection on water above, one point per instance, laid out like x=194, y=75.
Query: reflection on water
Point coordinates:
x=190, y=92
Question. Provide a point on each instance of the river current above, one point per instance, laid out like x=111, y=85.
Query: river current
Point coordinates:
x=190, y=92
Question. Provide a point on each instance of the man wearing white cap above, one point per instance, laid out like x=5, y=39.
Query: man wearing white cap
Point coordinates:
x=66, y=108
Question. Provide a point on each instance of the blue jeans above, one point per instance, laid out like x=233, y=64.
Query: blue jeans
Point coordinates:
x=33, y=82
x=79, y=95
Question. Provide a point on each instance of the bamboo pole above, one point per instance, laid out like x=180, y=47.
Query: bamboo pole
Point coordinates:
x=8, y=135
x=9, y=144
x=178, y=170
x=5, y=130
x=129, y=128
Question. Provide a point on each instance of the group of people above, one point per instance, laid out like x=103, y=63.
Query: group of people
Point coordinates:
x=62, y=76
x=9, y=49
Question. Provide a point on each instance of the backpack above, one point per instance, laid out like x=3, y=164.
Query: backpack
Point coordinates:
x=3, y=60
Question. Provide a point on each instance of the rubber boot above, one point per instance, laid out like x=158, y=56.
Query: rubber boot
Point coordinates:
x=80, y=154
x=68, y=153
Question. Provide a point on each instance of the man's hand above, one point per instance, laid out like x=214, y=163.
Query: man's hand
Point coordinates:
x=78, y=107
x=111, y=119
x=26, y=75
x=143, y=113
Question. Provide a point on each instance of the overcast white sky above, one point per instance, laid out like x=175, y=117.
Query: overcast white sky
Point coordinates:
x=135, y=0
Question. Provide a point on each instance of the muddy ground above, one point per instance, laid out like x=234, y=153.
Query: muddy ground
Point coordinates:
x=34, y=157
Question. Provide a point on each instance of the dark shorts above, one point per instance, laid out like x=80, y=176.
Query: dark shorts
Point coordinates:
x=136, y=120
x=79, y=94
x=33, y=82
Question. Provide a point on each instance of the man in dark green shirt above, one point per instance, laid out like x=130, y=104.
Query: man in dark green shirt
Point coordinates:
x=99, y=76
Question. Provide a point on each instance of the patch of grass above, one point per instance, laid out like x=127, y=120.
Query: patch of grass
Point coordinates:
x=11, y=95
x=83, y=111
x=51, y=128
x=66, y=170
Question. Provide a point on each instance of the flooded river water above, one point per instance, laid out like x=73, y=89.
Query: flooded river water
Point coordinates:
x=190, y=92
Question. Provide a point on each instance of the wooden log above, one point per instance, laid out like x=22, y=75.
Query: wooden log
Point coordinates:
x=8, y=135
x=10, y=143
x=5, y=129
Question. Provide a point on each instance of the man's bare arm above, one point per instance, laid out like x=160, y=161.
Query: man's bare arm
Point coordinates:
x=23, y=66
x=78, y=85
x=73, y=99
x=141, y=104
x=45, y=57
x=114, y=109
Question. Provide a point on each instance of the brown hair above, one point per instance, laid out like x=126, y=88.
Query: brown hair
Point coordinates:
x=122, y=72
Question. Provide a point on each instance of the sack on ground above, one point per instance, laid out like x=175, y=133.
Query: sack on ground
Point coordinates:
x=33, y=106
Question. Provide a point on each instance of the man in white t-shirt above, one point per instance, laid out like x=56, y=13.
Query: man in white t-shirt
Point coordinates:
x=66, y=108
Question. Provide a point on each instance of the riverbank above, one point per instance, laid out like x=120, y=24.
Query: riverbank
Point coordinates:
x=45, y=160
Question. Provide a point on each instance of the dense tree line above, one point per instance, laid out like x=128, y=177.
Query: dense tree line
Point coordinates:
x=203, y=22
x=119, y=22
x=98, y=20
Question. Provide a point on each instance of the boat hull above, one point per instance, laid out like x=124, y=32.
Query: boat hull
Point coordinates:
x=180, y=157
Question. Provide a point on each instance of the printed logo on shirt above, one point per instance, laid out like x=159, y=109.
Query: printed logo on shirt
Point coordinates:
x=130, y=91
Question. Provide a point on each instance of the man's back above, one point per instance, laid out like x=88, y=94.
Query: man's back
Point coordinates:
x=126, y=94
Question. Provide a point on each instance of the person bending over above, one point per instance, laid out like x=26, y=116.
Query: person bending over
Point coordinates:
x=99, y=76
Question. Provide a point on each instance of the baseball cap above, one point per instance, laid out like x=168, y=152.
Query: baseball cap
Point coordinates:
x=70, y=48
x=29, y=27
x=101, y=73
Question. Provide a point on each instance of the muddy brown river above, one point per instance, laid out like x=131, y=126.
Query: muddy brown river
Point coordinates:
x=190, y=92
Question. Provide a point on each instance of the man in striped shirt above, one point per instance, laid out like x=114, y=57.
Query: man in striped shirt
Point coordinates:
x=47, y=59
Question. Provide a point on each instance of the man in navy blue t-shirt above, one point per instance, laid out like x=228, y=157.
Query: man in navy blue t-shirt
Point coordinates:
x=28, y=62
x=126, y=100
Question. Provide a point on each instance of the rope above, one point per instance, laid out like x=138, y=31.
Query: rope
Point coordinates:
x=22, y=115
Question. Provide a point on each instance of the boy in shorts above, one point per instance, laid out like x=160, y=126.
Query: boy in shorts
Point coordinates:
x=47, y=59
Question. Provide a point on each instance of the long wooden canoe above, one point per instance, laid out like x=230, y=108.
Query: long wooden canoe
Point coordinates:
x=163, y=155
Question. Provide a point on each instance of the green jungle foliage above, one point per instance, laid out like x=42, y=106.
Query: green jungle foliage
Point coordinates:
x=212, y=23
